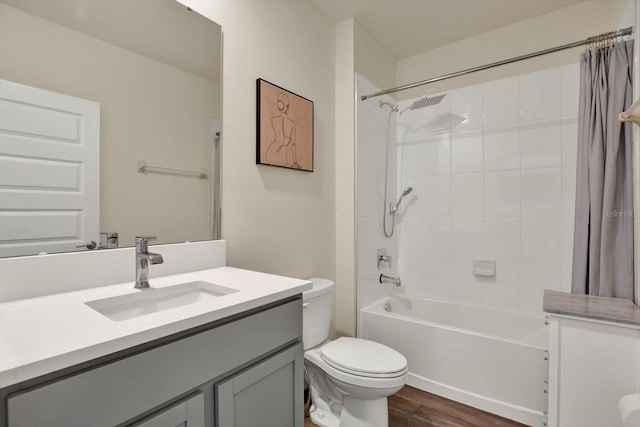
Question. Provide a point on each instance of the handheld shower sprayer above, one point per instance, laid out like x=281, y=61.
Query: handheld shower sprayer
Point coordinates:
x=394, y=208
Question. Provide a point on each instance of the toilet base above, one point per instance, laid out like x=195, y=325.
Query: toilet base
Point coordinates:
x=323, y=418
x=355, y=413
x=364, y=412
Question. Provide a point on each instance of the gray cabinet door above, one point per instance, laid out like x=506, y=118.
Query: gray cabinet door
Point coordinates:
x=189, y=413
x=269, y=394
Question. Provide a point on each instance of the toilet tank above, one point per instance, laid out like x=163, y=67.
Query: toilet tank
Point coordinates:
x=317, y=306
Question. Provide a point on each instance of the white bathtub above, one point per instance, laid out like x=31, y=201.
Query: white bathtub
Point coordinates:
x=490, y=359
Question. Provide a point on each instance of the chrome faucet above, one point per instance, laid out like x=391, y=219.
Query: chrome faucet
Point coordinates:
x=388, y=279
x=143, y=259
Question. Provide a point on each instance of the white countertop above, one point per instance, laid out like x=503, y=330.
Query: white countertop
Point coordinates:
x=44, y=334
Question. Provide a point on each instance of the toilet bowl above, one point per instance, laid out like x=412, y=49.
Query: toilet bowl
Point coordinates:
x=349, y=378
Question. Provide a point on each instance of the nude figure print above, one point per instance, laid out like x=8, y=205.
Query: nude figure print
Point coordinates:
x=282, y=150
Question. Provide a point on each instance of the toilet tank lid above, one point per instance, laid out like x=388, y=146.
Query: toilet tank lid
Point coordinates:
x=320, y=287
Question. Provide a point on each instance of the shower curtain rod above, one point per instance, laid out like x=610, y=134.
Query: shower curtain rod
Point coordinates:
x=594, y=39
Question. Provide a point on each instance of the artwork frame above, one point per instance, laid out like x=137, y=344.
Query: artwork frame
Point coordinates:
x=284, y=128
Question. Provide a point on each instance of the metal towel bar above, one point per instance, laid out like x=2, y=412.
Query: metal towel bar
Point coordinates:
x=143, y=167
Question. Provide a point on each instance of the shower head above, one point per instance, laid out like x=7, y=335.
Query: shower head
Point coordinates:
x=405, y=192
x=425, y=101
x=394, y=107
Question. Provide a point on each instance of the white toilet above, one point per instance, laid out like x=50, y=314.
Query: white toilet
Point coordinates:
x=349, y=378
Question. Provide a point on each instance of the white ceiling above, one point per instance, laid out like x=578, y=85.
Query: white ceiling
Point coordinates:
x=408, y=27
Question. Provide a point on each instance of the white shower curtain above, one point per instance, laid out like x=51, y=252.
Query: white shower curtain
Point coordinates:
x=603, y=239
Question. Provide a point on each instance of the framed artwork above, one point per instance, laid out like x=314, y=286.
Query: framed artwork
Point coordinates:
x=284, y=128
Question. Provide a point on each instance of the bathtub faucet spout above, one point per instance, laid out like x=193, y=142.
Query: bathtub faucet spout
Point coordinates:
x=388, y=279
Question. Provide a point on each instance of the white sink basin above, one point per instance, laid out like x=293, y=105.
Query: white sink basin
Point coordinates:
x=153, y=300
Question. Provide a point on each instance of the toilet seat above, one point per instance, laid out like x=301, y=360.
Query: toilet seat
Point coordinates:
x=363, y=358
x=368, y=382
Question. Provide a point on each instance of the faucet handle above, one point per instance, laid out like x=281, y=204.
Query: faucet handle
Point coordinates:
x=140, y=239
x=142, y=242
x=383, y=258
x=90, y=245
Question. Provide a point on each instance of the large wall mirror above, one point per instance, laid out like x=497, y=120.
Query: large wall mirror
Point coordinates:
x=110, y=112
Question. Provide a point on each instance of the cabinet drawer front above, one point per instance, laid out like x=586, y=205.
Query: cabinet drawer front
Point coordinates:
x=122, y=390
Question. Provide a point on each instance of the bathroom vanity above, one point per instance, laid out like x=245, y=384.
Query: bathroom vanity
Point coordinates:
x=594, y=358
x=225, y=359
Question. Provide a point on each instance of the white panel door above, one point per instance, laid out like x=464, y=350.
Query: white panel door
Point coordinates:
x=49, y=171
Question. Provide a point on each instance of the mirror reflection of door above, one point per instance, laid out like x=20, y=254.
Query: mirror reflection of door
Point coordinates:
x=49, y=171
x=154, y=67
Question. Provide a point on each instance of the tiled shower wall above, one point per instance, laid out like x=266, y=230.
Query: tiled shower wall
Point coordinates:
x=493, y=172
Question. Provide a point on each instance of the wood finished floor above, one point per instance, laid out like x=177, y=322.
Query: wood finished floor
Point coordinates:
x=411, y=407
